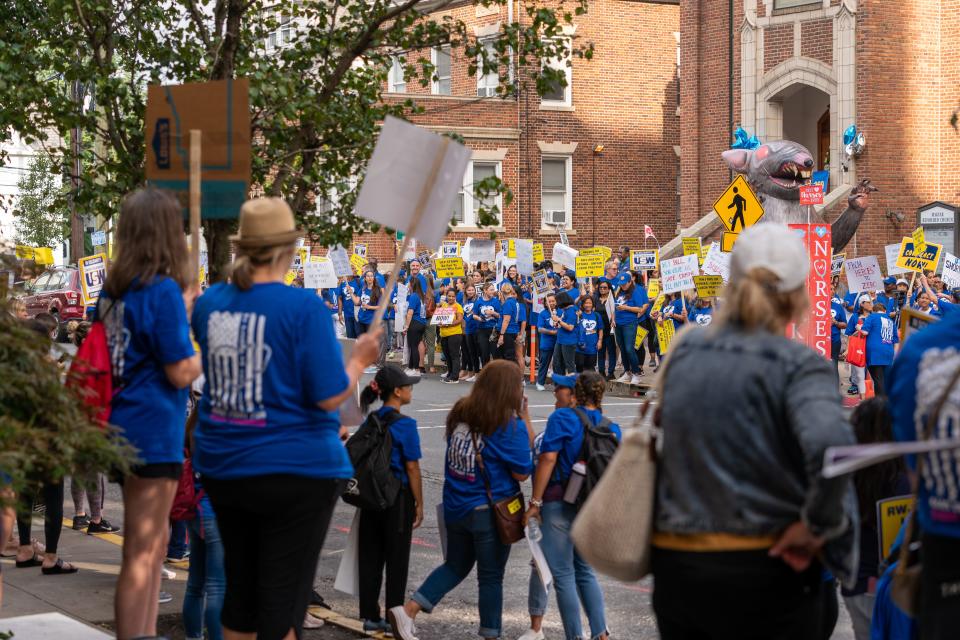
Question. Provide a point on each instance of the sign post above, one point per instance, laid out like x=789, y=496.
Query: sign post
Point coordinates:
x=195, y=201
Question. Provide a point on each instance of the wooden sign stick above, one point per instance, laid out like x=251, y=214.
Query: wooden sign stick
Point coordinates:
x=195, y=202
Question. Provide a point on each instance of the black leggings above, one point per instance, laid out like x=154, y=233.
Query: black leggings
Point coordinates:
x=877, y=374
x=487, y=348
x=385, y=538
x=52, y=518
x=508, y=350
x=586, y=362
x=414, y=337
x=471, y=353
x=451, y=351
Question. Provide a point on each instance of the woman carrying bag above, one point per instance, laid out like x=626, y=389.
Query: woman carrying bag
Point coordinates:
x=489, y=443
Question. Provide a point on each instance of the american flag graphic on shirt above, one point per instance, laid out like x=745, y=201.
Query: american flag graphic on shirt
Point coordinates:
x=236, y=361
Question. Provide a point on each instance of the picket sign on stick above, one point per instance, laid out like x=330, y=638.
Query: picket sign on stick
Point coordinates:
x=195, y=202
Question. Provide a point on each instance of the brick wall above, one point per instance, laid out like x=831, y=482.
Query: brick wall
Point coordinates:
x=777, y=45
x=816, y=40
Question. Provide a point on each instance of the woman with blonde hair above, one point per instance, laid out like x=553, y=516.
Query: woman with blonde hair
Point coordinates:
x=267, y=443
x=743, y=517
x=509, y=322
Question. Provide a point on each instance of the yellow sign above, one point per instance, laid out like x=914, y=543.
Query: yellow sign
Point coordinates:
x=319, y=259
x=708, y=286
x=641, y=336
x=589, y=266
x=704, y=250
x=593, y=251
x=449, y=267
x=202, y=276
x=692, y=247
x=727, y=241
x=40, y=255
x=653, y=288
x=358, y=263
x=891, y=512
x=738, y=208
x=919, y=240
x=658, y=301
x=289, y=277
x=913, y=260
x=511, y=248
x=665, y=333
x=93, y=273
x=304, y=255
x=538, y=252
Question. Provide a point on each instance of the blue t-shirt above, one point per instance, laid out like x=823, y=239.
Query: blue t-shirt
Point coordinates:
x=915, y=383
x=547, y=340
x=881, y=336
x=330, y=297
x=415, y=304
x=259, y=413
x=423, y=281
x=569, y=316
x=587, y=332
x=147, y=329
x=489, y=322
x=510, y=308
x=521, y=312
x=564, y=434
x=365, y=316
x=889, y=302
x=506, y=451
x=406, y=443
x=636, y=298
x=470, y=325
x=702, y=316
x=346, y=301
x=837, y=312
x=676, y=307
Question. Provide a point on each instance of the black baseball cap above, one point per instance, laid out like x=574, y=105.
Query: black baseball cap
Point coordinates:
x=391, y=376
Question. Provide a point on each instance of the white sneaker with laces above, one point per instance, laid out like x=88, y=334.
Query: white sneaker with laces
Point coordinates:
x=635, y=380
x=167, y=574
x=401, y=623
x=413, y=373
x=540, y=387
x=625, y=378
x=471, y=379
x=532, y=635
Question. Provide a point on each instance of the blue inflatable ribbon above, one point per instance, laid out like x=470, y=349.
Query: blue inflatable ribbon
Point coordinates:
x=849, y=134
x=743, y=140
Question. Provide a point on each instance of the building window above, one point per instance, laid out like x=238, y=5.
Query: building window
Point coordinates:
x=466, y=207
x=440, y=56
x=396, y=82
x=487, y=82
x=789, y=4
x=560, y=94
x=282, y=35
x=556, y=201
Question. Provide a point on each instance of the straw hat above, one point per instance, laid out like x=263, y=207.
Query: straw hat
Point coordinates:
x=266, y=222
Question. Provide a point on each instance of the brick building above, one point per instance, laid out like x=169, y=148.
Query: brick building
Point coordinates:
x=807, y=69
x=599, y=158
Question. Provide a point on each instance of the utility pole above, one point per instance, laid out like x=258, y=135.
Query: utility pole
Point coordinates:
x=76, y=223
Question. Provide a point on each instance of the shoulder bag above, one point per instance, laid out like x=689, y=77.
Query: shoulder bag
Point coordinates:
x=507, y=512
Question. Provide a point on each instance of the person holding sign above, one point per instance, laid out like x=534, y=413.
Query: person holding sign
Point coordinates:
x=487, y=312
x=564, y=317
x=471, y=328
x=416, y=324
x=367, y=299
x=451, y=334
x=632, y=307
x=881, y=336
x=267, y=442
x=509, y=323
x=348, y=313
x=547, y=327
x=605, y=303
x=589, y=337
x=702, y=312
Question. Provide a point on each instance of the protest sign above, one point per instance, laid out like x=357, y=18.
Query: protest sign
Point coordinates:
x=443, y=316
x=539, y=560
x=951, y=271
x=358, y=263
x=863, y=274
x=360, y=250
x=811, y=194
x=482, y=250
x=641, y=336
x=424, y=259
x=524, y=251
x=708, y=286
x=814, y=331
x=542, y=282
x=653, y=288
x=717, y=262
x=892, y=252
x=891, y=514
x=98, y=238
x=449, y=267
x=564, y=255
x=563, y=237
x=411, y=181
x=594, y=251
x=836, y=263
x=319, y=275
x=919, y=239
x=644, y=260
x=304, y=253
x=289, y=277
x=676, y=274
x=347, y=579
x=913, y=259
x=93, y=272
x=665, y=333
x=538, y=252
x=913, y=320
x=450, y=249
x=589, y=266
x=341, y=261
x=691, y=246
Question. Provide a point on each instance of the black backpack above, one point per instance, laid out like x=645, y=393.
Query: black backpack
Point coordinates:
x=599, y=446
x=373, y=486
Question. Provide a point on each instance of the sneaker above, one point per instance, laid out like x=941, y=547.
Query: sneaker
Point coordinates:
x=371, y=369
x=310, y=622
x=625, y=378
x=635, y=379
x=401, y=623
x=165, y=597
x=471, y=379
x=101, y=527
x=80, y=522
x=641, y=372
x=373, y=626
x=540, y=387
x=530, y=634
x=853, y=390
x=653, y=362
x=448, y=381
x=167, y=574
x=172, y=560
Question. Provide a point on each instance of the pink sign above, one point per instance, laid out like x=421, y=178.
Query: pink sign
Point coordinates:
x=815, y=330
x=811, y=194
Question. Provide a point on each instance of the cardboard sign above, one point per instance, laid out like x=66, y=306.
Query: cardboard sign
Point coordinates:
x=564, y=255
x=665, y=333
x=304, y=254
x=913, y=320
x=727, y=240
x=563, y=237
x=951, y=270
x=836, y=263
x=319, y=275
x=412, y=180
x=891, y=514
x=604, y=252
x=641, y=336
x=708, y=286
x=426, y=263
x=692, y=247
x=360, y=250
x=542, y=283
x=811, y=194
x=93, y=273
x=524, y=252
x=443, y=316
x=538, y=252
x=738, y=208
x=677, y=274
x=289, y=277
x=911, y=259
x=892, y=252
x=815, y=331
x=589, y=266
x=341, y=261
x=644, y=260
x=717, y=263
x=221, y=111
x=919, y=239
x=358, y=263
x=482, y=250
x=653, y=289
x=98, y=238
x=863, y=274
x=449, y=267
x=450, y=249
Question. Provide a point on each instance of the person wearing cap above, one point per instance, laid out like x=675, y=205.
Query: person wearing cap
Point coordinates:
x=144, y=307
x=267, y=442
x=743, y=517
x=858, y=375
x=888, y=297
x=564, y=317
x=881, y=336
x=632, y=307
x=385, y=536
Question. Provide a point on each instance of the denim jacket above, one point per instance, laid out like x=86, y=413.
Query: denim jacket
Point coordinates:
x=746, y=419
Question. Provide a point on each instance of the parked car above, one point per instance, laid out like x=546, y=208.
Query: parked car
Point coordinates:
x=57, y=292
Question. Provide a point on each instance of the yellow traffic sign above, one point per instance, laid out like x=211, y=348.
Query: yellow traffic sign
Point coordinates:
x=727, y=241
x=738, y=208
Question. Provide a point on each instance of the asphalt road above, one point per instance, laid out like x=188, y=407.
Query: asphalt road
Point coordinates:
x=628, y=608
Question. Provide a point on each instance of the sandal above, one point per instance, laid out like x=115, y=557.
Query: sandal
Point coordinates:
x=58, y=569
x=34, y=561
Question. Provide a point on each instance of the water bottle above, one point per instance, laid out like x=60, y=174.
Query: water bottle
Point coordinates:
x=577, y=475
x=533, y=530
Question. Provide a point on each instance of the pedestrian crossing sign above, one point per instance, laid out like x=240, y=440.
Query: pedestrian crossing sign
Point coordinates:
x=738, y=208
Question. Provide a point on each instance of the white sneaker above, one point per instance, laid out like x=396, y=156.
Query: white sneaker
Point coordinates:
x=310, y=622
x=401, y=623
x=167, y=574
x=625, y=378
x=635, y=380
x=372, y=369
x=471, y=379
x=413, y=373
x=540, y=387
x=532, y=635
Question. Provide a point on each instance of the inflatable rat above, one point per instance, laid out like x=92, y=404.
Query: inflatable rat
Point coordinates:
x=776, y=171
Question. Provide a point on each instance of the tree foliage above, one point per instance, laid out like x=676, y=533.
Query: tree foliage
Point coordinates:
x=40, y=214
x=316, y=102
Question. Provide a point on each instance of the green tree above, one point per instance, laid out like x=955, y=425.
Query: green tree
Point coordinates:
x=316, y=102
x=40, y=214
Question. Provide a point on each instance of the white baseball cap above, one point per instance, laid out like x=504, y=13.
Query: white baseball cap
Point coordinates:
x=774, y=247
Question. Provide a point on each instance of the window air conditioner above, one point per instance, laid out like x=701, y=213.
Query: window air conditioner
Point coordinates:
x=556, y=216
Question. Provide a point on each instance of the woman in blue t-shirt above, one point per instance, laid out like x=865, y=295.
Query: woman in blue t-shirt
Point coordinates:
x=366, y=299
x=565, y=319
x=268, y=440
x=487, y=314
x=348, y=312
x=574, y=580
x=144, y=307
x=509, y=323
x=491, y=425
x=385, y=535
x=547, y=327
x=589, y=336
x=881, y=336
x=416, y=325
x=632, y=307
x=471, y=333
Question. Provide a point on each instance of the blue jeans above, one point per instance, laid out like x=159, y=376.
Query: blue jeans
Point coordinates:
x=350, y=324
x=177, y=547
x=536, y=594
x=626, y=337
x=574, y=580
x=608, y=354
x=471, y=540
x=205, y=581
x=546, y=355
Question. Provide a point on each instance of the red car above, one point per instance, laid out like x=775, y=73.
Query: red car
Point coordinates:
x=57, y=292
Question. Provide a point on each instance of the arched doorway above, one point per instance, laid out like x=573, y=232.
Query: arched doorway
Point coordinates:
x=806, y=119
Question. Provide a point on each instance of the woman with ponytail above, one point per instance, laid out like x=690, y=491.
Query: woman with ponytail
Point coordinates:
x=385, y=535
x=744, y=522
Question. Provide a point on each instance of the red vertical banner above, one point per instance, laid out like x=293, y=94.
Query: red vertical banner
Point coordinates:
x=815, y=330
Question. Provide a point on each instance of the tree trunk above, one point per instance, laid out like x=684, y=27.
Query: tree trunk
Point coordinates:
x=217, y=233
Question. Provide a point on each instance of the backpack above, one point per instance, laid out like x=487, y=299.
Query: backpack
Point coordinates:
x=91, y=373
x=187, y=498
x=599, y=446
x=373, y=486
